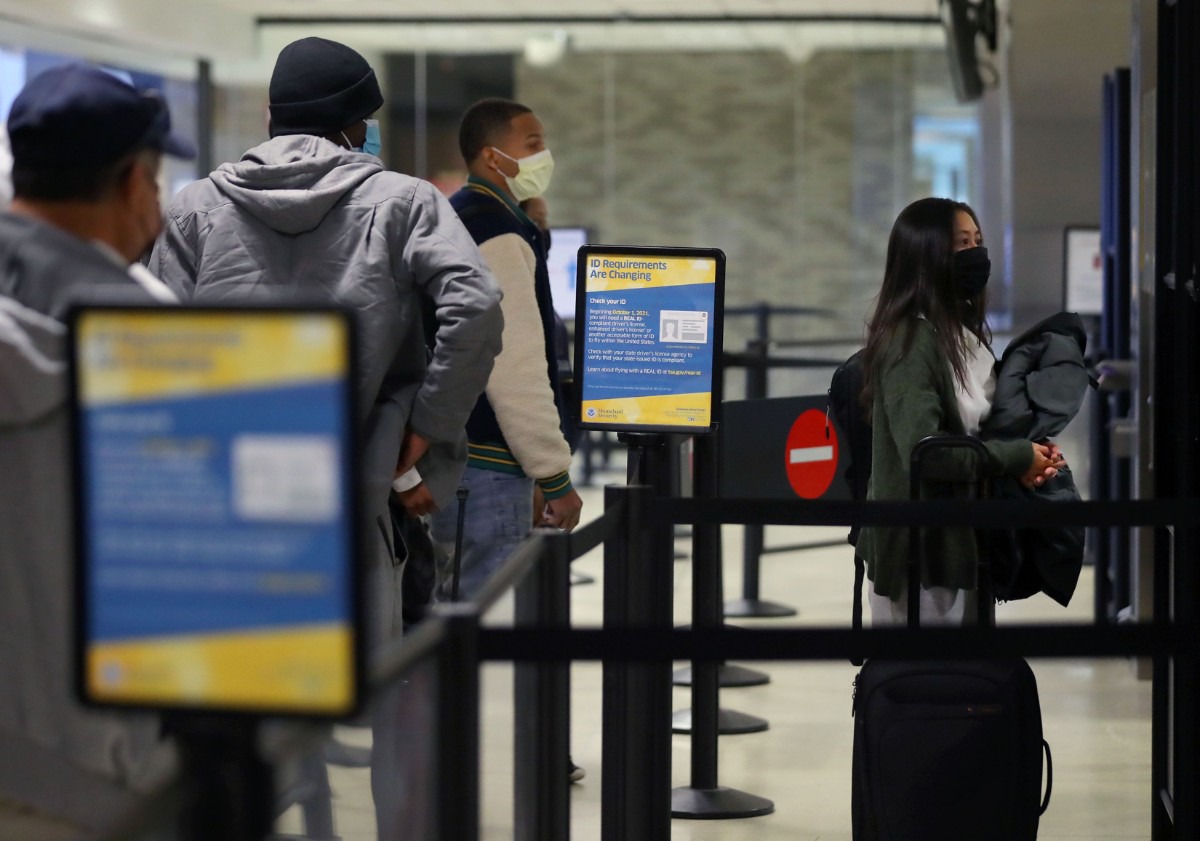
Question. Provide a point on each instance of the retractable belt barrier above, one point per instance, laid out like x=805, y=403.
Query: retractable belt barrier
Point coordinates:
x=974, y=513
x=1160, y=637
x=633, y=516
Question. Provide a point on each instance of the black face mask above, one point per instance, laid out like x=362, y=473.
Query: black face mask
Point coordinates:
x=971, y=268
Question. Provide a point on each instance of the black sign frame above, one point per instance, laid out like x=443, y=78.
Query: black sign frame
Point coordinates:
x=716, y=325
x=355, y=545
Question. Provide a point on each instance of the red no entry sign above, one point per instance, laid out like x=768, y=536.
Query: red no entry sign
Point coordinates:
x=811, y=454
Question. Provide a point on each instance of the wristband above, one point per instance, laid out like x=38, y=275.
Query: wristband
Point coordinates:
x=406, y=482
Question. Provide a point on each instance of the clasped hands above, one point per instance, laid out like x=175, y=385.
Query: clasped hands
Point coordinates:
x=1048, y=459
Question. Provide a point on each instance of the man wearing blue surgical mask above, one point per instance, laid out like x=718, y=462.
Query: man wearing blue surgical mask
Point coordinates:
x=308, y=215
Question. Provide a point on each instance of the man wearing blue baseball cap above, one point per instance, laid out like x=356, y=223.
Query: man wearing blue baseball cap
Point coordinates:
x=86, y=149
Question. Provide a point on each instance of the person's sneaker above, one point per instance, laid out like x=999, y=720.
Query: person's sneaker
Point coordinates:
x=575, y=772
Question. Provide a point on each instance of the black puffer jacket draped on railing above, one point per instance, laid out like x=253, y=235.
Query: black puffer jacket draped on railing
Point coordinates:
x=1041, y=381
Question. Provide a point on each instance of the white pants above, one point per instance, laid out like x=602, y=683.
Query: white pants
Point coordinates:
x=939, y=606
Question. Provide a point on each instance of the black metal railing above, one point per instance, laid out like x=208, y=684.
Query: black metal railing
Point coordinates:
x=638, y=643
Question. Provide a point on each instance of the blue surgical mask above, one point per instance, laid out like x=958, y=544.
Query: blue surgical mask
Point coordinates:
x=373, y=145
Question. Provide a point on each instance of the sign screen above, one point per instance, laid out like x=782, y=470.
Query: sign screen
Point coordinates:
x=562, y=263
x=648, y=337
x=1083, y=271
x=215, y=464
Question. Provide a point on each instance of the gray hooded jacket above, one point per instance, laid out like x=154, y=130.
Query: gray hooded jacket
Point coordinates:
x=303, y=220
x=78, y=765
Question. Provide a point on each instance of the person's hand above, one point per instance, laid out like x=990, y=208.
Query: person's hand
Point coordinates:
x=417, y=501
x=1046, y=462
x=539, y=505
x=415, y=445
x=563, y=513
x=1056, y=455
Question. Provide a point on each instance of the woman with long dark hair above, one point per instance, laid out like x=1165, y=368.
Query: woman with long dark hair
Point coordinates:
x=928, y=371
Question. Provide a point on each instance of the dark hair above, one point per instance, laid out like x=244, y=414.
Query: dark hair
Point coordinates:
x=918, y=282
x=483, y=122
x=80, y=183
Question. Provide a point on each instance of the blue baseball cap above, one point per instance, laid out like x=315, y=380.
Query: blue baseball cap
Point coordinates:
x=77, y=115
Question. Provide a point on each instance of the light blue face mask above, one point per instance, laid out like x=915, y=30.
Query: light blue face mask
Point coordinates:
x=373, y=145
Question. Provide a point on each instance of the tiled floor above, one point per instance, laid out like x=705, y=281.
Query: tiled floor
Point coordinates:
x=1096, y=716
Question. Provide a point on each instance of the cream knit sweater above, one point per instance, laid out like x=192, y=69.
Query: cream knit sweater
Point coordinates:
x=519, y=387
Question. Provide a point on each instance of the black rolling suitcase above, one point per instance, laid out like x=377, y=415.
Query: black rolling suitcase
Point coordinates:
x=947, y=750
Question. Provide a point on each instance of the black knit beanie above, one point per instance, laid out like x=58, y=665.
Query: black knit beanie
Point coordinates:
x=319, y=87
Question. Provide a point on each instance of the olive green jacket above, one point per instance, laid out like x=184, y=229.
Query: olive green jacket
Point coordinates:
x=914, y=398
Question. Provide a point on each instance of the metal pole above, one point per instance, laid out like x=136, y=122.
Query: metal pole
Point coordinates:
x=542, y=797
x=704, y=798
x=421, y=114
x=235, y=785
x=636, y=758
x=706, y=613
x=205, y=109
x=458, y=725
x=753, y=534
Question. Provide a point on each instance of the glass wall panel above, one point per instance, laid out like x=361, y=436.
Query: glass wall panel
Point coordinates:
x=792, y=147
x=18, y=66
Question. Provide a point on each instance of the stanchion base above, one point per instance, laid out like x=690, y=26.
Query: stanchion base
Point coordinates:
x=580, y=578
x=718, y=803
x=758, y=609
x=730, y=677
x=729, y=722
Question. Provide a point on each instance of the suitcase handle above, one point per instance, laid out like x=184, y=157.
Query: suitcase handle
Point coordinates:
x=462, y=493
x=923, y=447
x=1049, y=778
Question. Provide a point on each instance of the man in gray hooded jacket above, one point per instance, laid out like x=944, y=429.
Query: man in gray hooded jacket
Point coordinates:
x=311, y=215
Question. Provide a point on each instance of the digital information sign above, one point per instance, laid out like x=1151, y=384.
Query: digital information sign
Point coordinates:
x=648, y=337
x=215, y=465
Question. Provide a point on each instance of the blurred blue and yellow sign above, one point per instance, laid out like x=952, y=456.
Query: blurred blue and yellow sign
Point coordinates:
x=214, y=453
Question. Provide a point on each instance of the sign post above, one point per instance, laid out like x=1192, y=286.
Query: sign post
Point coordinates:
x=648, y=331
x=218, y=577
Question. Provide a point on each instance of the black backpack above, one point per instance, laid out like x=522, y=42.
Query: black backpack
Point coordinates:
x=851, y=419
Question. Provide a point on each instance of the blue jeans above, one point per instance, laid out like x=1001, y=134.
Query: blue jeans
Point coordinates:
x=499, y=517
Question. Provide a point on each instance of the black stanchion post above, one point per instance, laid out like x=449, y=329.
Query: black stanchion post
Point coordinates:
x=751, y=605
x=675, y=465
x=542, y=807
x=636, y=760
x=729, y=722
x=1160, y=728
x=235, y=788
x=458, y=725
x=1185, y=680
x=709, y=585
x=704, y=798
